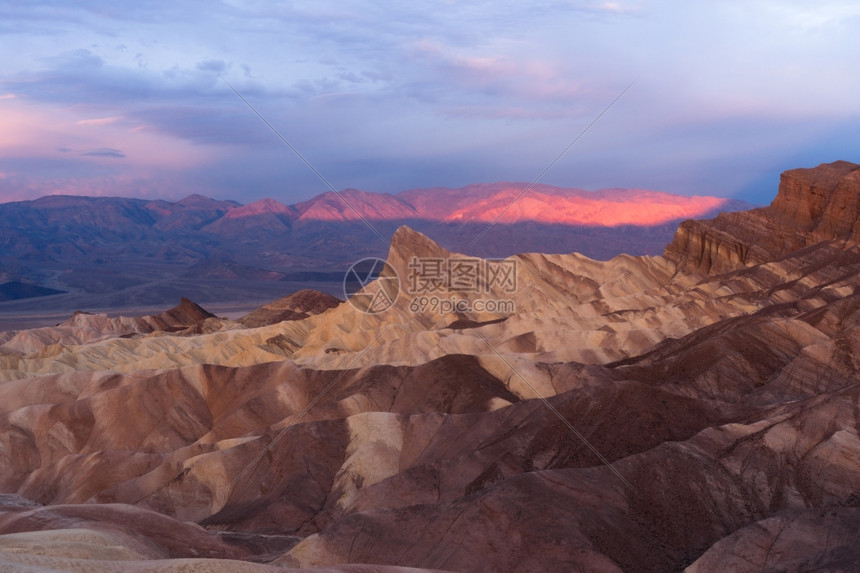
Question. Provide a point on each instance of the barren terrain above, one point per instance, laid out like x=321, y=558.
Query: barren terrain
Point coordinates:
x=697, y=410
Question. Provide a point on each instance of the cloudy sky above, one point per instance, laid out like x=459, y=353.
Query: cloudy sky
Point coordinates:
x=129, y=98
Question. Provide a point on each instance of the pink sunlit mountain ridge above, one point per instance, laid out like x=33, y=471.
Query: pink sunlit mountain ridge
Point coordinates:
x=484, y=202
x=261, y=207
x=109, y=252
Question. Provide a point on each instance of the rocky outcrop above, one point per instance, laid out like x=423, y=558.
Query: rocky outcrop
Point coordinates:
x=822, y=203
x=296, y=306
x=800, y=540
x=85, y=327
x=186, y=313
x=105, y=538
x=812, y=205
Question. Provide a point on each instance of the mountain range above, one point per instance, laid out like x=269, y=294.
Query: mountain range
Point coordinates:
x=119, y=252
x=695, y=411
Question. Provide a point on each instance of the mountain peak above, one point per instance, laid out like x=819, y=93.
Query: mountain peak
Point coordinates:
x=261, y=207
x=408, y=243
x=186, y=312
x=352, y=204
x=296, y=306
x=408, y=240
x=197, y=201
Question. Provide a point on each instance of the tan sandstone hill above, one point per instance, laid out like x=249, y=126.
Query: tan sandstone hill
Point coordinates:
x=85, y=328
x=295, y=306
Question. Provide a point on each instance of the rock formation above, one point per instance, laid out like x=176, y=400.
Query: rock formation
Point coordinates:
x=694, y=411
x=812, y=205
x=296, y=306
x=83, y=328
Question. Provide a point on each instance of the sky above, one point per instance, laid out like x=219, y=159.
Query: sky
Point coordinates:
x=132, y=98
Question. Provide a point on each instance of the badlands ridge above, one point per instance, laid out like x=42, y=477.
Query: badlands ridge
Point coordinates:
x=694, y=411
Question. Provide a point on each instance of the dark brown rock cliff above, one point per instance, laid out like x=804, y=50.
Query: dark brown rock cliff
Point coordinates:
x=813, y=205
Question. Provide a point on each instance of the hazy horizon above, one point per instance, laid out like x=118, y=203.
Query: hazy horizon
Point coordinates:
x=512, y=184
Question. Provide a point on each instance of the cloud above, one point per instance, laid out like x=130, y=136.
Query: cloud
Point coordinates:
x=104, y=152
x=461, y=83
x=95, y=152
x=82, y=78
x=183, y=102
x=390, y=95
x=212, y=66
x=503, y=112
x=98, y=121
x=613, y=7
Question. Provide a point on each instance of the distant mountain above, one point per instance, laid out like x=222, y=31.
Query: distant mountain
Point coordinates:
x=352, y=204
x=108, y=245
x=553, y=205
x=485, y=202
